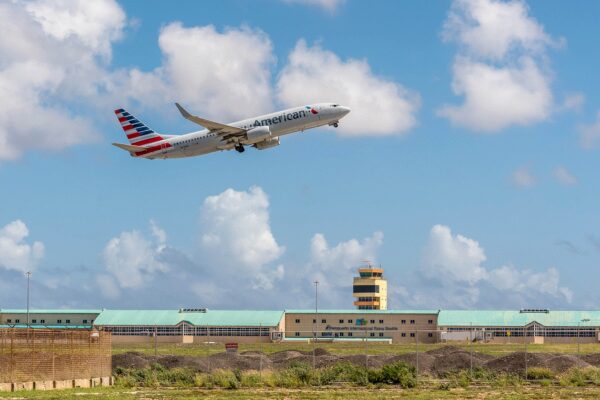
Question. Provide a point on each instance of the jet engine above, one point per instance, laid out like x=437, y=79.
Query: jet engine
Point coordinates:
x=258, y=134
x=267, y=144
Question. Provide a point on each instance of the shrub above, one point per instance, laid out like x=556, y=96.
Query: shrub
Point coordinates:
x=398, y=373
x=539, y=373
x=580, y=377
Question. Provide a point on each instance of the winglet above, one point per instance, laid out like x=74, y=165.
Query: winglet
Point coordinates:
x=183, y=111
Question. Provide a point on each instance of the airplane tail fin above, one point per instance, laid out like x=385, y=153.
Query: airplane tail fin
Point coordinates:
x=137, y=133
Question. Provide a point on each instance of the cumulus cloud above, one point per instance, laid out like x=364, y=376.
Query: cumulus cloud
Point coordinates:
x=314, y=74
x=334, y=266
x=236, y=232
x=501, y=68
x=223, y=75
x=15, y=252
x=589, y=135
x=564, y=177
x=523, y=177
x=52, y=53
x=132, y=259
x=453, y=264
x=327, y=5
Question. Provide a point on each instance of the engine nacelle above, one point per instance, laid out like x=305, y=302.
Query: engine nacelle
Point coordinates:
x=267, y=144
x=258, y=134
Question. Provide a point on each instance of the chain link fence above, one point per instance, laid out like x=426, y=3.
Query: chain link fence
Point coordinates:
x=434, y=353
x=30, y=355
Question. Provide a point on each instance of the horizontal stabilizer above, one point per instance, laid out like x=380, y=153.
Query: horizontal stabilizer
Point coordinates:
x=129, y=147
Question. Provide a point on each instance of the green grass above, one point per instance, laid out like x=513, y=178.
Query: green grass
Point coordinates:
x=352, y=348
x=340, y=393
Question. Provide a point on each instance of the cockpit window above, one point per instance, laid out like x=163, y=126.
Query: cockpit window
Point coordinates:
x=334, y=105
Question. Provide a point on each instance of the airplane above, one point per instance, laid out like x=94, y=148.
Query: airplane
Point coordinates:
x=262, y=132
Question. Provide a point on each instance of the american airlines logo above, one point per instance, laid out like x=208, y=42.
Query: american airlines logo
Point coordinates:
x=286, y=117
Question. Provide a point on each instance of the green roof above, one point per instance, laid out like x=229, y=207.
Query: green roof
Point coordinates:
x=50, y=311
x=517, y=318
x=355, y=311
x=174, y=317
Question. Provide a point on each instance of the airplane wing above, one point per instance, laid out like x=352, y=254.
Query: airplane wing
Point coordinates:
x=226, y=131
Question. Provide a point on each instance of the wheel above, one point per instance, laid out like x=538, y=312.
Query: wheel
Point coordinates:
x=240, y=148
x=336, y=125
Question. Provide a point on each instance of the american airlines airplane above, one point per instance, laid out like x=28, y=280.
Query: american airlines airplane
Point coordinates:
x=261, y=132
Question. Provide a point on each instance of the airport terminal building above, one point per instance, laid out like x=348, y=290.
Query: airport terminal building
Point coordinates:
x=197, y=325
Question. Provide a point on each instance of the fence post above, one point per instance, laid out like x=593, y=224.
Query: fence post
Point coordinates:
x=417, y=353
x=12, y=355
x=53, y=355
x=260, y=355
x=525, y=354
x=471, y=351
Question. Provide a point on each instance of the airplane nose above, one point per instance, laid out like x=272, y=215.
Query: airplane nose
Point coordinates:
x=344, y=110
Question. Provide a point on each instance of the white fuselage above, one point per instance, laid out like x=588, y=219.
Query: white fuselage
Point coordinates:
x=280, y=123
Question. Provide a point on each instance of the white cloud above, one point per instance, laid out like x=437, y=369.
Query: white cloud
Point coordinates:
x=108, y=286
x=523, y=177
x=327, y=5
x=52, y=54
x=589, y=135
x=334, y=266
x=454, y=257
x=314, y=74
x=236, y=232
x=497, y=97
x=564, y=177
x=223, y=75
x=573, y=101
x=15, y=253
x=492, y=29
x=455, y=263
x=501, y=68
x=132, y=259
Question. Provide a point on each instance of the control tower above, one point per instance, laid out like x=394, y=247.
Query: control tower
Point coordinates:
x=370, y=288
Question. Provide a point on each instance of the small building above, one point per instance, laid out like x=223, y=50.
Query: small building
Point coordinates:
x=369, y=289
x=396, y=326
x=527, y=325
x=54, y=319
x=192, y=325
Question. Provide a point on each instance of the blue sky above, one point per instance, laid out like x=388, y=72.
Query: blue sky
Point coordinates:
x=490, y=203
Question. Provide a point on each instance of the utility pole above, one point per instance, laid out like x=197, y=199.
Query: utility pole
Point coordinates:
x=28, y=273
x=315, y=324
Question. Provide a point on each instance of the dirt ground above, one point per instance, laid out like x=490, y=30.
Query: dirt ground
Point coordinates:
x=434, y=362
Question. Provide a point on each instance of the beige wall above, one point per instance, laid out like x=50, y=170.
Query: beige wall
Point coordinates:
x=49, y=318
x=391, y=327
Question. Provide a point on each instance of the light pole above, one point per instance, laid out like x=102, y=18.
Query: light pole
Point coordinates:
x=578, y=327
x=28, y=273
x=315, y=324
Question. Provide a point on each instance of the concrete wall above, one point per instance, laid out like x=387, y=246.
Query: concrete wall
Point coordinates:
x=391, y=327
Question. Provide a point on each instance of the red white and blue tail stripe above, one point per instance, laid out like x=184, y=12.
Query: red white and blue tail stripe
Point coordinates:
x=137, y=133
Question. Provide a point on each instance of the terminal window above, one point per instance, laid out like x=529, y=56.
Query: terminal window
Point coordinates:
x=42, y=321
x=349, y=333
x=17, y=321
x=323, y=321
x=430, y=334
x=297, y=321
x=430, y=322
x=33, y=321
x=59, y=321
x=381, y=334
x=372, y=321
x=403, y=321
x=372, y=333
x=85, y=321
x=381, y=321
x=314, y=321
x=68, y=321
x=297, y=334
x=349, y=321
x=412, y=321
x=412, y=334
x=9, y=320
x=341, y=321
x=403, y=334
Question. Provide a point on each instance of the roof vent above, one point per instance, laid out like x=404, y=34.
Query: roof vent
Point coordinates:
x=535, y=310
x=196, y=310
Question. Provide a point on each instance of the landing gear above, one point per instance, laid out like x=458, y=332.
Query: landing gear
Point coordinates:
x=335, y=124
x=239, y=148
